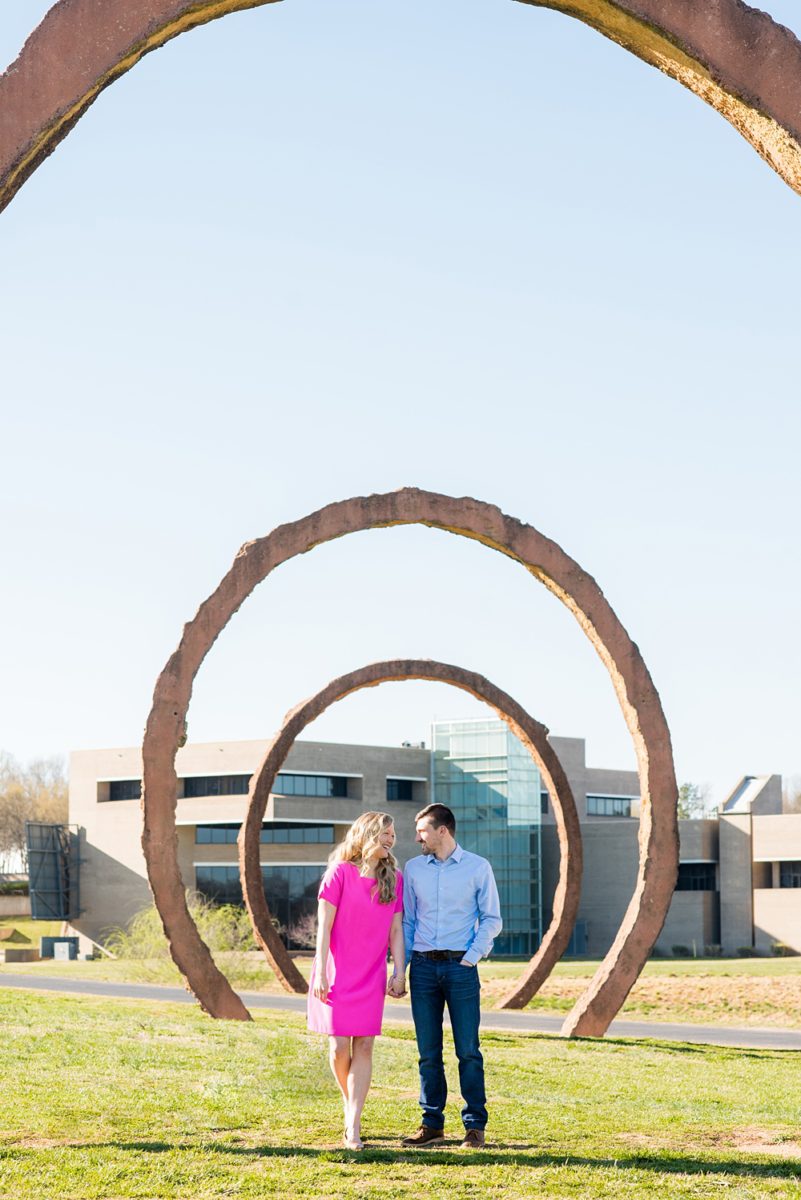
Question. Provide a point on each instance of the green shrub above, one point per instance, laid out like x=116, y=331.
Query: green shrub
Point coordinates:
x=222, y=927
x=782, y=950
x=747, y=952
x=680, y=951
x=14, y=887
x=713, y=951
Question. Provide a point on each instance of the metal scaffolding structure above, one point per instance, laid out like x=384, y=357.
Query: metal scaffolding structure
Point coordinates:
x=54, y=871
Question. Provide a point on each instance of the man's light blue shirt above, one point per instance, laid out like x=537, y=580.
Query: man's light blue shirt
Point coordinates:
x=451, y=905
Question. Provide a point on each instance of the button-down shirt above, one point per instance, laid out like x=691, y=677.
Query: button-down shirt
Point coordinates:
x=450, y=905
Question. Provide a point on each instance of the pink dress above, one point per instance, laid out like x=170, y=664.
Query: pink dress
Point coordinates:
x=357, y=958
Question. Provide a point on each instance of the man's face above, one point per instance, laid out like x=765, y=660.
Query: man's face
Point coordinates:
x=428, y=835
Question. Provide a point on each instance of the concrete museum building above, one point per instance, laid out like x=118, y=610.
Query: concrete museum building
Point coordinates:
x=739, y=880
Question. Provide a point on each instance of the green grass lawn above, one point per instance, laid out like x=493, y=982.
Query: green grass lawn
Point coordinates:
x=33, y=929
x=117, y=1099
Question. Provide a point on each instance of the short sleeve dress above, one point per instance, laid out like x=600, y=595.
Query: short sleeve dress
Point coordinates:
x=357, y=958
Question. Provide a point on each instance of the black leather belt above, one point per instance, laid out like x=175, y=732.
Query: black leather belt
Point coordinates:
x=441, y=955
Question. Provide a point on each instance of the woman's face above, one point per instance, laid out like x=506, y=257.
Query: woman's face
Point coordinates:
x=386, y=841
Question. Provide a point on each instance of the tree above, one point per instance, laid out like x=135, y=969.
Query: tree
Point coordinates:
x=791, y=794
x=36, y=792
x=694, y=801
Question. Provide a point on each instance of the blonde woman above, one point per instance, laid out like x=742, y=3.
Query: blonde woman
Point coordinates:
x=359, y=916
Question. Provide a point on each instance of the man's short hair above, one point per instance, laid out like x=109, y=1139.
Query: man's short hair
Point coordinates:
x=439, y=814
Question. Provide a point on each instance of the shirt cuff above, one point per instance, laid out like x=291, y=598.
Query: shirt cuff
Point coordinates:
x=472, y=956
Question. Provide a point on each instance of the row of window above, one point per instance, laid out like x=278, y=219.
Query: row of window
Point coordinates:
x=608, y=806
x=237, y=785
x=280, y=833
x=216, y=785
x=125, y=789
x=597, y=806
x=790, y=874
x=311, y=785
x=697, y=877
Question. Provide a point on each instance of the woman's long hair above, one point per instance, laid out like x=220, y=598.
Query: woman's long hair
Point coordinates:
x=358, y=846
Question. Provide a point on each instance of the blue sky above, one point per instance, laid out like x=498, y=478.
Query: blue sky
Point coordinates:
x=321, y=249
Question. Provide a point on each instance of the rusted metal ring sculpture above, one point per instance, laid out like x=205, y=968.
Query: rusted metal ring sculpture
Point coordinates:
x=739, y=60
x=531, y=733
x=546, y=561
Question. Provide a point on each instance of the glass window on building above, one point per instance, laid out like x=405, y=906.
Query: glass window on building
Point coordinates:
x=219, y=883
x=125, y=789
x=609, y=806
x=487, y=777
x=290, y=891
x=697, y=877
x=216, y=785
x=790, y=874
x=400, y=789
x=287, y=784
x=272, y=833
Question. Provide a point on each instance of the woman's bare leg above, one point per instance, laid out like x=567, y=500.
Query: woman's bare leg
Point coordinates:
x=339, y=1056
x=359, y=1077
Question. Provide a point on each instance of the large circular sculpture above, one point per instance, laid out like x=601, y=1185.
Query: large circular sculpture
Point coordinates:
x=531, y=733
x=546, y=561
x=739, y=60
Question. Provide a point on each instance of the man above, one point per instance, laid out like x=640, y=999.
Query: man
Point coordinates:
x=451, y=915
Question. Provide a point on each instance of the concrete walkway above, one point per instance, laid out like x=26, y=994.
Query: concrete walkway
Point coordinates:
x=525, y=1022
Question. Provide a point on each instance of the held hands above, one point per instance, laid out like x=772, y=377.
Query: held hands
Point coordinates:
x=396, y=986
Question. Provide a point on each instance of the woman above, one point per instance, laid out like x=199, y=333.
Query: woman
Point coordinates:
x=359, y=915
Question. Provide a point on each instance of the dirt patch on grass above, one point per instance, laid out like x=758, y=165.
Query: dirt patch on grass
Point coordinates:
x=753, y=1139
x=705, y=999
x=42, y=1143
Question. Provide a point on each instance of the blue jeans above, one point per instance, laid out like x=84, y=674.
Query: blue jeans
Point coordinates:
x=433, y=985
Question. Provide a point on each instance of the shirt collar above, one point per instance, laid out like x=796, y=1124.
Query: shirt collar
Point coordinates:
x=454, y=856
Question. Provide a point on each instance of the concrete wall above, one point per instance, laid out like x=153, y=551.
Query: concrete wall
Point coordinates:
x=777, y=918
x=15, y=906
x=611, y=858
x=692, y=921
x=570, y=752
x=777, y=838
x=595, y=780
x=610, y=873
x=699, y=840
x=769, y=800
x=736, y=918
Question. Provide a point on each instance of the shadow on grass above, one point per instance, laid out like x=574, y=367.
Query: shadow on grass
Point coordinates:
x=712, y=1050
x=519, y=1154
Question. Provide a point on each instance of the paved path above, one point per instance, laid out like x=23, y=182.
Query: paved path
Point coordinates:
x=716, y=1035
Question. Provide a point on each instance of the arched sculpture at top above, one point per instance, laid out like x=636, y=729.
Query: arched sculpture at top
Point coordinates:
x=578, y=591
x=734, y=57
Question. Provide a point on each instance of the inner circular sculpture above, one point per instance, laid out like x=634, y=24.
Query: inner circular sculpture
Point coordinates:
x=531, y=733
x=546, y=561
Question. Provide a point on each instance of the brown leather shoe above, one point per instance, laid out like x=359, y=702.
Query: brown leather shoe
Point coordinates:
x=425, y=1136
x=473, y=1140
